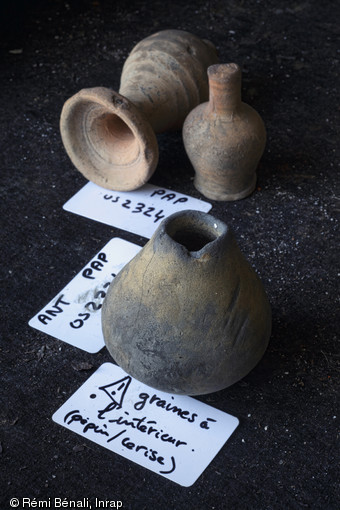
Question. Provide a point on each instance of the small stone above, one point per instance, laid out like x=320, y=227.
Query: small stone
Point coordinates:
x=82, y=365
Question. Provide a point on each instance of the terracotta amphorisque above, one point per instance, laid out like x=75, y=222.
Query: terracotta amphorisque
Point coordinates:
x=188, y=314
x=109, y=136
x=224, y=138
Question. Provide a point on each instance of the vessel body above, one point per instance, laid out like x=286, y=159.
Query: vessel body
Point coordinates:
x=188, y=314
x=111, y=136
x=224, y=138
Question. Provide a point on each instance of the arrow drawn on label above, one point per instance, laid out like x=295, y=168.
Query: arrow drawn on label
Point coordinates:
x=117, y=391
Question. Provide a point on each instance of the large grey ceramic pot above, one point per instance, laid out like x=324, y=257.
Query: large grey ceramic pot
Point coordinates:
x=188, y=314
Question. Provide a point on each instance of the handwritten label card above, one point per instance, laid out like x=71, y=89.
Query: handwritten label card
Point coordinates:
x=174, y=436
x=139, y=211
x=74, y=315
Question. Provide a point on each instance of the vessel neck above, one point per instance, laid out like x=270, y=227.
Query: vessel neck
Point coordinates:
x=224, y=87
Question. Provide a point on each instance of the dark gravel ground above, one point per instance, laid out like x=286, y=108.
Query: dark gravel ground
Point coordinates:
x=283, y=455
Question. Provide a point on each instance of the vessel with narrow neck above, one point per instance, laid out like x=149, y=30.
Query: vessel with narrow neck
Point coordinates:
x=224, y=138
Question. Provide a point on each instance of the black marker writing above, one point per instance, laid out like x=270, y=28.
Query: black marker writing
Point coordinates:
x=205, y=423
x=96, y=265
x=56, y=309
x=116, y=391
x=91, y=306
x=74, y=416
x=149, y=453
x=146, y=427
x=169, y=407
x=135, y=209
x=168, y=196
x=172, y=468
x=117, y=435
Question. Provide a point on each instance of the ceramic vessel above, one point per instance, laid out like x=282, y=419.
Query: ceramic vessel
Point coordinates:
x=188, y=314
x=109, y=136
x=224, y=138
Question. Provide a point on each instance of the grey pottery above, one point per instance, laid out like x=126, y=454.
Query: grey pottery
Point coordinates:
x=188, y=314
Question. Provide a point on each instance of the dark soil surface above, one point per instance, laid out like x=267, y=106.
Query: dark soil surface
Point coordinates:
x=284, y=453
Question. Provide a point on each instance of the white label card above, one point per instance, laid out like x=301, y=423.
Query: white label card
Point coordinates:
x=139, y=211
x=174, y=436
x=74, y=315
